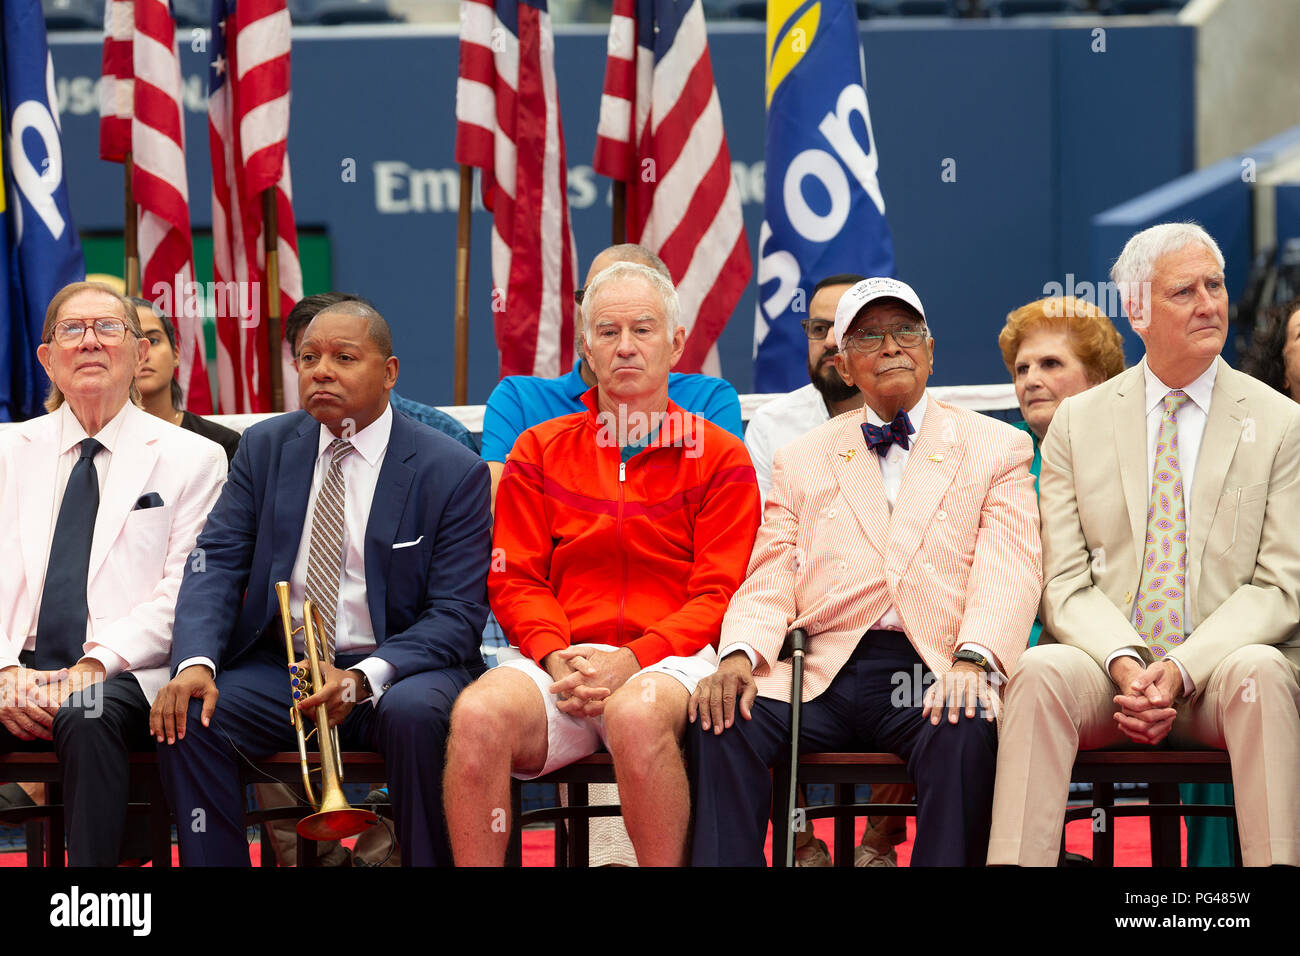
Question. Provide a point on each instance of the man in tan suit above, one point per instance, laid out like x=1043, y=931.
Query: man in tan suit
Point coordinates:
x=1169, y=500
x=904, y=539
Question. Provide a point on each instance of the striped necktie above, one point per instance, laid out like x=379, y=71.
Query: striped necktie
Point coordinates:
x=1160, y=618
x=325, y=551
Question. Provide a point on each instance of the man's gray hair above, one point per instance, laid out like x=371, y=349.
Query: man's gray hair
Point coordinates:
x=1136, y=265
x=621, y=271
x=620, y=252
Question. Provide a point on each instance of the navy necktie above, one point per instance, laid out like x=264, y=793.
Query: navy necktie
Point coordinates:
x=61, y=627
x=880, y=437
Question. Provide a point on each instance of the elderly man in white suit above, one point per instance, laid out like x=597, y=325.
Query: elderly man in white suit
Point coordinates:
x=100, y=504
x=904, y=539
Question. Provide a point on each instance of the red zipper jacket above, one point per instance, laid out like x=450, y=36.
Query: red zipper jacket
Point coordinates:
x=644, y=554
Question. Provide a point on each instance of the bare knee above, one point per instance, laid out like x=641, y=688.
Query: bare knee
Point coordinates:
x=480, y=725
x=640, y=727
x=498, y=720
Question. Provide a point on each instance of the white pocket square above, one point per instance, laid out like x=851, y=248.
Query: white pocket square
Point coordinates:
x=408, y=544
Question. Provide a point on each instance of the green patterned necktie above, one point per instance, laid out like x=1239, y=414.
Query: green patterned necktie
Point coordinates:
x=1164, y=568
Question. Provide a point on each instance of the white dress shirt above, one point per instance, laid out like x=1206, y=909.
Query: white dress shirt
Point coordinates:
x=892, y=466
x=353, y=631
x=71, y=435
x=778, y=423
x=1191, y=419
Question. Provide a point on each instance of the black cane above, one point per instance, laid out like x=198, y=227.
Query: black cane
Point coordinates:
x=797, y=638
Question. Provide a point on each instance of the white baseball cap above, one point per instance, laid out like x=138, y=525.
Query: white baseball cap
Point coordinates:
x=867, y=291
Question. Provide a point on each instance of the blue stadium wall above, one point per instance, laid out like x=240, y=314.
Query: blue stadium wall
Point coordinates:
x=1042, y=127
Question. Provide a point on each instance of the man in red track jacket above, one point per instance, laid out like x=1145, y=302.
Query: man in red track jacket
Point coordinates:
x=621, y=534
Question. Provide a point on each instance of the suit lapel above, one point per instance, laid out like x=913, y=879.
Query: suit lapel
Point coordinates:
x=857, y=472
x=37, y=461
x=395, y=478
x=132, y=464
x=292, y=488
x=1218, y=447
x=1131, y=450
x=932, y=464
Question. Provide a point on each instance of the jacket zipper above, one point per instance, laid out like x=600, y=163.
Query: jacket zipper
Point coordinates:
x=622, y=595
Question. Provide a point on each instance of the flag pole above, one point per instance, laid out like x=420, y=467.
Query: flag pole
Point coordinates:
x=619, y=215
x=460, y=380
x=275, y=333
x=130, y=239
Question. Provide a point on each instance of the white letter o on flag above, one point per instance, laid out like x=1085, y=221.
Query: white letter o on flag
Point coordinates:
x=824, y=166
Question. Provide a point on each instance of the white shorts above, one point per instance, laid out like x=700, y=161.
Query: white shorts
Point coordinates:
x=571, y=738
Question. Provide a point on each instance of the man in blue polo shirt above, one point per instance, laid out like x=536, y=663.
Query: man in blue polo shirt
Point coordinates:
x=521, y=401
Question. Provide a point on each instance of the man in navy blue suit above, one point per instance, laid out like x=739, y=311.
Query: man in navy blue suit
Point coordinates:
x=384, y=524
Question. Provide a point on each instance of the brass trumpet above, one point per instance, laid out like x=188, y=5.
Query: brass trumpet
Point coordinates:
x=334, y=819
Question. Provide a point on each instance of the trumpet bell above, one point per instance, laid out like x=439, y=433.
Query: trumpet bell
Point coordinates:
x=336, y=824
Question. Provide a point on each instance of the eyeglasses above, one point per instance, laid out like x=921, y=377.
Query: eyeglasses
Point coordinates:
x=816, y=329
x=70, y=332
x=864, y=343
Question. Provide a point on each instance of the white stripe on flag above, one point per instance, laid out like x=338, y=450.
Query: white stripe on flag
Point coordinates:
x=677, y=185
x=476, y=103
x=546, y=358
x=160, y=155
x=155, y=65
x=501, y=254
x=622, y=38
x=615, y=118
x=264, y=126
x=645, y=70
x=506, y=60
x=709, y=256
x=504, y=157
x=476, y=23
x=262, y=40
x=675, y=67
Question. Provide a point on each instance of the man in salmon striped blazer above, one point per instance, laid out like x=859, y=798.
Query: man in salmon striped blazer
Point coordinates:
x=621, y=533
x=904, y=539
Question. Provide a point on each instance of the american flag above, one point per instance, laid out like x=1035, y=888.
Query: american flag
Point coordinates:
x=141, y=112
x=660, y=131
x=248, y=131
x=508, y=125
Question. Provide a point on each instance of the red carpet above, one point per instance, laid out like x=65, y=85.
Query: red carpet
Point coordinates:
x=1132, y=843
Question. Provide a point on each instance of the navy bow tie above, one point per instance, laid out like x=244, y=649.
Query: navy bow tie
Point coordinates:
x=880, y=437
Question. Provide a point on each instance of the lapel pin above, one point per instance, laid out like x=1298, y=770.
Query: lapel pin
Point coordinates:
x=936, y=457
x=848, y=455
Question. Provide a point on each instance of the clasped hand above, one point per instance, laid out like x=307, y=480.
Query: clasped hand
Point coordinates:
x=1146, y=702
x=30, y=698
x=585, y=677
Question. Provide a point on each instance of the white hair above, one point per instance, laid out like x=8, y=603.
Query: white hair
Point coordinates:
x=621, y=271
x=1136, y=265
x=622, y=252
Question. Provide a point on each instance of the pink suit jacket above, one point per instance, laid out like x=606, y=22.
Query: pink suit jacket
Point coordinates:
x=959, y=556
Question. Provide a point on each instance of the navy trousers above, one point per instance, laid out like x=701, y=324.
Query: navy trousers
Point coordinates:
x=873, y=704
x=94, y=731
x=408, y=726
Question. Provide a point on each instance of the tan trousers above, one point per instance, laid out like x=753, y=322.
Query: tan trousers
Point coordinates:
x=1059, y=702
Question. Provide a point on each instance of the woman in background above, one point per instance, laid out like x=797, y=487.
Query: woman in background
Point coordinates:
x=1274, y=355
x=156, y=380
x=1055, y=348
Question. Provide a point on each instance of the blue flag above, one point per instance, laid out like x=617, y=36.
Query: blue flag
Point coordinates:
x=823, y=210
x=39, y=248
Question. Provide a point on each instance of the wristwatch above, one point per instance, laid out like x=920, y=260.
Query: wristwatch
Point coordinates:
x=972, y=657
x=364, y=681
